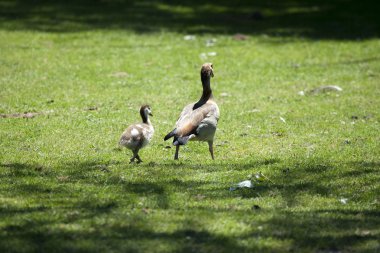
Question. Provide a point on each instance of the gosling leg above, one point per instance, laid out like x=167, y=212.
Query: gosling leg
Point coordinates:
x=138, y=159
x=135, y=155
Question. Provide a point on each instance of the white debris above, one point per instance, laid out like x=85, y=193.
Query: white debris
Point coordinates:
x=246, y=183
x=326, y=88
x=189, y=37
x=343, y=201
x=224, y=94
x=203, y=56
x=282, y=119
x=301, y=93
x=210, y=42
x=254, y=110
x=120, y=74
x=243, y=184
x=333, y=87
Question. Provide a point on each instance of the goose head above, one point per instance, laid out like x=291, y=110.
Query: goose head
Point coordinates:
x=207, y=70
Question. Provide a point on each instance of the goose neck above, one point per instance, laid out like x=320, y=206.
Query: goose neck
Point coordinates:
x=207, y=92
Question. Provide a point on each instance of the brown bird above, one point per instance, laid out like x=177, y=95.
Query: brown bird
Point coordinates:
x=137, y=136
x=198, y=121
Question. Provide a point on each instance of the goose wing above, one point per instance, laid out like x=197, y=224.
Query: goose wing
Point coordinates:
x=189, y=119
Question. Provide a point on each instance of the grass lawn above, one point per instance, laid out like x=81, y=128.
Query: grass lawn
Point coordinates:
x=83, y=68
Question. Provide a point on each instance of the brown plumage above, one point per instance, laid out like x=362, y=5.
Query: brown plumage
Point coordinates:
x=137, y=136
x=198, y=121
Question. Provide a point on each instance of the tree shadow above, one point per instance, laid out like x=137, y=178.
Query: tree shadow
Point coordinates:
x=38, y=236
x=342, y=231
x=340, y=19
x=35, y=226
x=25, y=169
x=214, y=167
x=315, y=179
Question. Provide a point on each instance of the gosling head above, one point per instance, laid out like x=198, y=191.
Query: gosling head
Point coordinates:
x=145, y=111
x=207, y=70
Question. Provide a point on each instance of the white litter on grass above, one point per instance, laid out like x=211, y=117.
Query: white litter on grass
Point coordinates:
x=332, y=87
x=120, y=74
x=203, y=56
x=260, y=177
x=343, y=201
x=246, y=183
x=189, y=37
x=301, y=93
x=210, y=42
x=257, y=178
x=243, y=184
x=282, y=119
x=254, y=110
x=326, y=88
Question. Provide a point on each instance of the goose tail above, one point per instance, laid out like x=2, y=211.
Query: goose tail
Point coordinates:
x=170, y=135
x=181, y=140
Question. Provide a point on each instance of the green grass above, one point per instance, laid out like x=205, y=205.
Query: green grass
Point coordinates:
x=66, y=186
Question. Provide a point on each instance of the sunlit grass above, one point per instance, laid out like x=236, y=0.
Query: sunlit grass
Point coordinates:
x=67, y=186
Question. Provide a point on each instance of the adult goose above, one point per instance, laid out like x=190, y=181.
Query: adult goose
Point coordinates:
x=198, y=121
x=137, y=136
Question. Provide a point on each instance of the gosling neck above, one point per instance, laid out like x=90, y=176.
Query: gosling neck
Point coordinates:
x=145, y=118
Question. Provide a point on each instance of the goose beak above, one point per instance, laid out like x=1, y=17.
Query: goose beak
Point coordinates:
x=150, y=114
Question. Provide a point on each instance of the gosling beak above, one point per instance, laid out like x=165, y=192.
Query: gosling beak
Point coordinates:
x=212, y=73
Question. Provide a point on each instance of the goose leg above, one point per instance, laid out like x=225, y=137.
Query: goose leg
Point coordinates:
x=211, y=149
x=176, y=152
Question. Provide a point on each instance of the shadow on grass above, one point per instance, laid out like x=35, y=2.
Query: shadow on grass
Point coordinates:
x=92, y=221
x=37, y=237
x=327, y=230
x=24, y=169
x=214, y=167
x=340, y=19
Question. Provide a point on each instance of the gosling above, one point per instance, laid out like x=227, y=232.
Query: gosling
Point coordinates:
x=138, y=135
